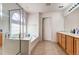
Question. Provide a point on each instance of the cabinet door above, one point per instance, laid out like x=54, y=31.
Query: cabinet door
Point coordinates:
x=59, y=38
x=69, y=45
x=63, y=41
x=76, y=46
x=0, y=39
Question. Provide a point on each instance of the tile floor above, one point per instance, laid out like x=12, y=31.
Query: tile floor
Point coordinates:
x=47, y=48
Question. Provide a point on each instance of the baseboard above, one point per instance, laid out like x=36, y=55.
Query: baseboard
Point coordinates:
x=50, y=41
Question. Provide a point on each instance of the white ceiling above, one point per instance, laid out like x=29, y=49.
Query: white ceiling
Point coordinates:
x=42, y=7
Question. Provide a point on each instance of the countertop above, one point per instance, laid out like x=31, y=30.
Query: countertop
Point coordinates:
x=27, y=38
x=70, y=34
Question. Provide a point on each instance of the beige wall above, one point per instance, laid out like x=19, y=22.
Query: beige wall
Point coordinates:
x=33, y=30
x=72, y=20
x=57, y=23
x=40, y=26
x=33, y=25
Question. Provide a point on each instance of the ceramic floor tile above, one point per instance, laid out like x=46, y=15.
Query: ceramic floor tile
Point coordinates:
x=47, y=48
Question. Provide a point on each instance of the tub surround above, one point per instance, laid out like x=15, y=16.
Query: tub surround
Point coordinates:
x=27, y=45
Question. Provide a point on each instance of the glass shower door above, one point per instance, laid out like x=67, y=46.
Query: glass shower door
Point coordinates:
x=11, y=28
x=24, y=42
x=15, y=29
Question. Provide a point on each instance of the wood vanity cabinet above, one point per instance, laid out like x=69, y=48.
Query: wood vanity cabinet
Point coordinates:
x=76, y=46
x=63, y=40
x=59, y=38
x=69, y=42
x=69, y=45
x=0, y=39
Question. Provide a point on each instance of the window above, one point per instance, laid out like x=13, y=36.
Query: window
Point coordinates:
x=16, y=16
x=14, y=23
x=17, y=23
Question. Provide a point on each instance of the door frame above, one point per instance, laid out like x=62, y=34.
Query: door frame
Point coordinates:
x=43, y=26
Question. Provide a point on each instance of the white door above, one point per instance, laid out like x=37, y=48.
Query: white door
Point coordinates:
x=47, y=29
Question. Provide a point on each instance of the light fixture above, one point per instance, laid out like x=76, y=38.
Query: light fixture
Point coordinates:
x=48, y=4
x=73, y=7
x=61, y=6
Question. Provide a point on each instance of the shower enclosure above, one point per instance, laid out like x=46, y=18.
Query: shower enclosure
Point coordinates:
x=14, y=25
